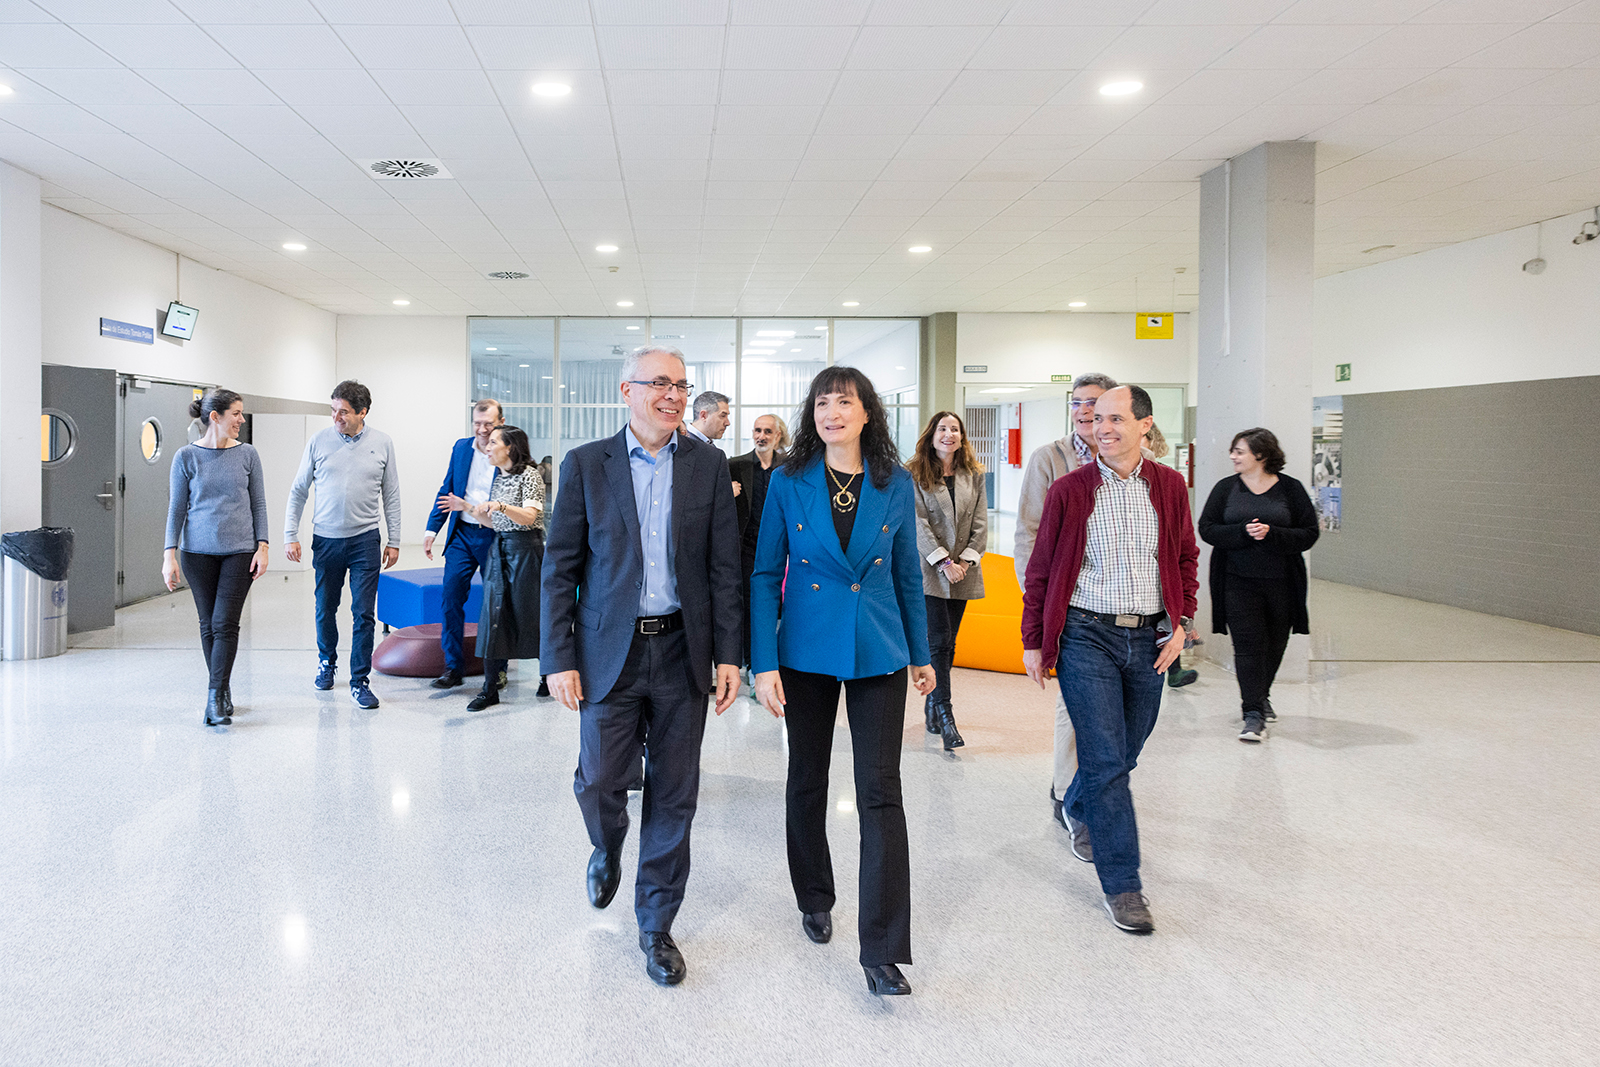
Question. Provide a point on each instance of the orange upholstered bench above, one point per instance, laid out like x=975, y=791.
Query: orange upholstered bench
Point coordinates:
x=991, y=629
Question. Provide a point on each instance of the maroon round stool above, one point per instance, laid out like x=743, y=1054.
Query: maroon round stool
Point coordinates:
x=414, y=652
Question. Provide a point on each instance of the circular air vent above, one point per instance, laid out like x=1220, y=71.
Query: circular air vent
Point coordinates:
x=508, y=275
x=404, y=168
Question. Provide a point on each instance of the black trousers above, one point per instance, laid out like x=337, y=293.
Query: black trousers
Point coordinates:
x=876, y=708
x=1260, y=615
x=655, y=698
x=220, y=585
x=944, y=622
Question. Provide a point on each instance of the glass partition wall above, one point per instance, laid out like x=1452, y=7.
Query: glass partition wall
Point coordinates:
x=561, y=375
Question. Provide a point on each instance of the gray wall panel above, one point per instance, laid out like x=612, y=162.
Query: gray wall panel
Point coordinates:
x=1486, y=497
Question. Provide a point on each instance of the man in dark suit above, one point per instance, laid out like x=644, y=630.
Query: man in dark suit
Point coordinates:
x=751, y=474
x=466, y=542
x=640, y=601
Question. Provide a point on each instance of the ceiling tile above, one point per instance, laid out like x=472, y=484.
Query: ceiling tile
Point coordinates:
x=912, y=48
x=661, y=47
x=29, y=46
x=535, y=49
x=211, y=86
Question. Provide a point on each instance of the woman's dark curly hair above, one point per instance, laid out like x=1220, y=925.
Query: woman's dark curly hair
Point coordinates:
x=1263, y=444
x=516, y=442
x=878, y=451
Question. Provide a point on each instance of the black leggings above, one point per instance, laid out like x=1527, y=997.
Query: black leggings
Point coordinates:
x=944, y=622
x=1260, y=615
x=219, y=585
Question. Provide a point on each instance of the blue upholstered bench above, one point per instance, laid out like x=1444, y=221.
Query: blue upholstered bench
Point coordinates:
x=411, y=598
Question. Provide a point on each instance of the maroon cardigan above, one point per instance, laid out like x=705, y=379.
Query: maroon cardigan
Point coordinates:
x=1064, y=538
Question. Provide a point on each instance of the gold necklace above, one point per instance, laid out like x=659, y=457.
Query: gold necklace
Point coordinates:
x=844, y=499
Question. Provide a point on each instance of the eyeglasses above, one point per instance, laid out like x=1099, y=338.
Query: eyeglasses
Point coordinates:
x=1083, y=403
x=662, y=385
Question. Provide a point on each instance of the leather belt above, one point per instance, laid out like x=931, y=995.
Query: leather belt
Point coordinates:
x=1127, y=622
x=651, y=625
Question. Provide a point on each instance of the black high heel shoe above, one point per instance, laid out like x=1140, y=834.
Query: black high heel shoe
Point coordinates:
x=887, y=981
x=214, y=713
x=947, y=726
x=929, y=714
x=227, y=702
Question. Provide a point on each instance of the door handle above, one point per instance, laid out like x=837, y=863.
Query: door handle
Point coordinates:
x=108, y=499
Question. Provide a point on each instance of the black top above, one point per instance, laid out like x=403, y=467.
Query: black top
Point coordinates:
x=844, y=521
x=1222, y=525
x=1265, y=559
x=757, y=490
x=950, y=484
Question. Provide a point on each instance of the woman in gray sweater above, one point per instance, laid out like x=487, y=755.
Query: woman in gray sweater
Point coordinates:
x=218, y=514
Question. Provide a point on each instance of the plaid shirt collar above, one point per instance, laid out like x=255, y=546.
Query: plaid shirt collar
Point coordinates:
x=1107, y=474
x=1082, y=449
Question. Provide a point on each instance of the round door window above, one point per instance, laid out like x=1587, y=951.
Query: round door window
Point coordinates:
x=58, y=436
x=150, y=439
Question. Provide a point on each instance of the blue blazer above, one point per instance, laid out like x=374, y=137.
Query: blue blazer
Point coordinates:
x=594, y=564
x=455, y=481
x=850, y=613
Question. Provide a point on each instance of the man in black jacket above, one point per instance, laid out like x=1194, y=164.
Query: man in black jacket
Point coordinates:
x=751, y=472
x=645, y=527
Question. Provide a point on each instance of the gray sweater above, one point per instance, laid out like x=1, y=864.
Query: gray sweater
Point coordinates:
x=218, y=503
x=358, y=484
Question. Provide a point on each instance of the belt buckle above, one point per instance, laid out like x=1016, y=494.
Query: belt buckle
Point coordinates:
x=649, y=627
x=1130, y=622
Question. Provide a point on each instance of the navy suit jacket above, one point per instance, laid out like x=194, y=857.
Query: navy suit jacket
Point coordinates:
x=455, y=481
x=850, y=613
x=594, y=564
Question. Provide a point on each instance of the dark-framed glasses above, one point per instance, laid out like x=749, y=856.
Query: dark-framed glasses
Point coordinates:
x=663, y=385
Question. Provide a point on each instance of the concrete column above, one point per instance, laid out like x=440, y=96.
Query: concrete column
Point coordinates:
x=1257, y=246
x=938, y=390
x=20, y=348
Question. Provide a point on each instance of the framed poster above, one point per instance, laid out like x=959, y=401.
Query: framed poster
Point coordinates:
x=1327, y=460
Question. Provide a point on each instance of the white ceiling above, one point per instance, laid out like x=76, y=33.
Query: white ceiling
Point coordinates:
x=768, y=157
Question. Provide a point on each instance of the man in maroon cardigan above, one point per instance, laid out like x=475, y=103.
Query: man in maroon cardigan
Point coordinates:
x=1110, y=592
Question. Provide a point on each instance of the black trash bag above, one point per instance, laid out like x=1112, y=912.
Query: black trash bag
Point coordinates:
x=46, y=551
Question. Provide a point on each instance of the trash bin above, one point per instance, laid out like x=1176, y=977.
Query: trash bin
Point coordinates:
x=35, y=611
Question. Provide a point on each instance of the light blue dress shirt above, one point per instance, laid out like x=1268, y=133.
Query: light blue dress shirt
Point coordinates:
x=652, y=495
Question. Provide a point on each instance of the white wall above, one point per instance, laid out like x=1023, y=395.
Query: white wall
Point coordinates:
x=248, y=338
x=1029, y=348
x=416, y=367
x=281, y=441
x=1466, y=314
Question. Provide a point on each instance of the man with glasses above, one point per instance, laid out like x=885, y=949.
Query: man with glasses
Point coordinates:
x=645, y=528
x=467, y=480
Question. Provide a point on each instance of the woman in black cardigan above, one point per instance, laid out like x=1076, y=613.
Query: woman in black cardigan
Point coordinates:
x=1258, y=521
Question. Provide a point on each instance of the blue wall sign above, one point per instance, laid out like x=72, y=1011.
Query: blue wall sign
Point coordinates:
x=127, y=331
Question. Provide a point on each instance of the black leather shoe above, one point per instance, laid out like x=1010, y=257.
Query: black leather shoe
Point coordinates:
x=947, y=727
x=214, y=712
x=227, y=702
x=662, y=960
x=887, y=981
x=448, y=680
x=544, y=687
x=485, y=699
x=605, y=871
x=818, y=926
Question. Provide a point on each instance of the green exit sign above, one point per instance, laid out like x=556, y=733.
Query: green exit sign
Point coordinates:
x=1061, y=377
x=1341, y=372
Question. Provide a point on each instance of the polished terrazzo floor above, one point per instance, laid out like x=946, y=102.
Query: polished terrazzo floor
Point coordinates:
x=1404, y=873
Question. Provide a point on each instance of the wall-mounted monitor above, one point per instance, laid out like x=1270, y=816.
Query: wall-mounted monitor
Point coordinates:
x=180, y=321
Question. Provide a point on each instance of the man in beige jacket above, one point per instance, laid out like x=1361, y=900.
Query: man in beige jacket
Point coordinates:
x=1049, y=462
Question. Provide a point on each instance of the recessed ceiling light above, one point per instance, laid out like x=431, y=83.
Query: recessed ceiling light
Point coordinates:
x=293, y=246
x=899, y=368
x=491, y=348
x=794, y=350
x=402, y=303
x=605, y=248
x=1122, y=88
x=774, y=333
x=821, y=326
x=1078, y=304
x=920, y=248
x=852, y=303
x=6, y=90
x=633, y=327
x=1005, y=389
x=760, y=351
x=551, y=89
x=624, y=303
x=524, y=366
x=547, y=378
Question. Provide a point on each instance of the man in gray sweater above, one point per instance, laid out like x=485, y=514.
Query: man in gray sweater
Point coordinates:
x=358, y=486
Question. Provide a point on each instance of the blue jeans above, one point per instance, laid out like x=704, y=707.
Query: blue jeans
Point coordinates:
x=361, y=558
x=1113, y=694
x=468, y=551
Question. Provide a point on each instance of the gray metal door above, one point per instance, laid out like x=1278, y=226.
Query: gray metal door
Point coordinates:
x=155, y=424
x=79, y=491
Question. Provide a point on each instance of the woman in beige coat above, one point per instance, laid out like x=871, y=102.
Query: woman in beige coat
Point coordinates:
x=952, y=533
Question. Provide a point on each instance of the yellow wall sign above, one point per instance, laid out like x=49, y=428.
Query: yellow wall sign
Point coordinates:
x=1148, y=327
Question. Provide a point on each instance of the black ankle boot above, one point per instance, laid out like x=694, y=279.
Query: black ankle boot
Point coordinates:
x=227, y=702
x=947, y=727
x=215, y=716
x=929, y=714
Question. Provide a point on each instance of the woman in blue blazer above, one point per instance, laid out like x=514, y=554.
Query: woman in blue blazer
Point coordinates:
x=838, y=551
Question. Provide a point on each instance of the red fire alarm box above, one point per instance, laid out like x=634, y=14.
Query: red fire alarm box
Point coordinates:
x=1014, y=447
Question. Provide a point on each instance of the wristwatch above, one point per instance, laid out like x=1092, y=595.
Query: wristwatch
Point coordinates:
x=1187, y=623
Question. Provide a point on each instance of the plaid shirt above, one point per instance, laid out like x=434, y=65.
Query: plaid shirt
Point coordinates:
x=1119, y=574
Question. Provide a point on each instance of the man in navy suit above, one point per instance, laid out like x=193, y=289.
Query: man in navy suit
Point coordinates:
x=466, y=543
x=640, y=603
